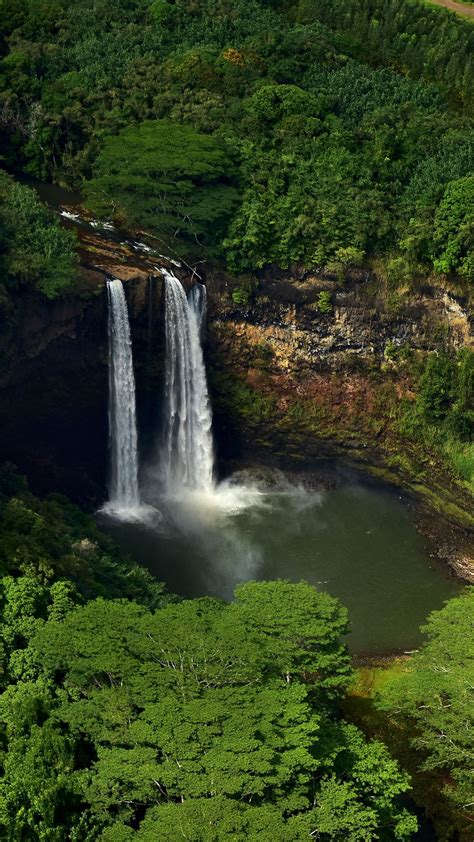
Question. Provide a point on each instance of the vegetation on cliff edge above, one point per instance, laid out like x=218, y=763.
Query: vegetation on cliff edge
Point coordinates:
x=35, y=250
x=329, y=134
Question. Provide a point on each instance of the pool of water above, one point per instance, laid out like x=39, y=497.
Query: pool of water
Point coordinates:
x=356, y=542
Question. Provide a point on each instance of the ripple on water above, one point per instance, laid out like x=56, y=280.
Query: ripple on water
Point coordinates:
x=356, y=542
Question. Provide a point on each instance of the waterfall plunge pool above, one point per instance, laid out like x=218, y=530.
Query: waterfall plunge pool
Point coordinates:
x=357, y=542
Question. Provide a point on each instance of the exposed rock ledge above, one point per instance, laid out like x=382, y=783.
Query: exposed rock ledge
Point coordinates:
x=287, y=379
x=307, y=384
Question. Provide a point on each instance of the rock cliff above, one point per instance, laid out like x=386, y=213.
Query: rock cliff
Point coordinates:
x=312, y=367
x=54, y=374
x=303, y=367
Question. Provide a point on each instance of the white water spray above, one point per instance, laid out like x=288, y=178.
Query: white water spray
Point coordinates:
x=123, y=490
x=187, y=459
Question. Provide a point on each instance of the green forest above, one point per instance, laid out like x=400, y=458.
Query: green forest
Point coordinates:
x=242, y=135
x=129, y=714
x=333, y=135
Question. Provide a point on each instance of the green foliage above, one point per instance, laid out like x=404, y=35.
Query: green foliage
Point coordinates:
x=165, y=178
x=345, y=259
x=52, y=557
x=243, y=293
x=424, y=192
x=324, y=302
x=302, y=207
x=447, y=391
x=460, y=455
x=437, y=387
x=328, y=133
x=213, y=717
x=415, y=38
x=161, y=11
x=240, y=295
x=454, y=229
x=442, y=417
x=34, y=250
x=434, y=695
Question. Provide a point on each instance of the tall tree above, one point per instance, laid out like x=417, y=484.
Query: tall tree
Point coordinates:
x=205, y=715
x=435, y=697
x=167, y=179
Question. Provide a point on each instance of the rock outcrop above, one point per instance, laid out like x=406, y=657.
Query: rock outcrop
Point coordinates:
x=314, y=368
x=308, y=368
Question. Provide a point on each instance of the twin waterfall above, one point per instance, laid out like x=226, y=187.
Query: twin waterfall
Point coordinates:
x=186, y=454
x=187, y=457
x=122, y=414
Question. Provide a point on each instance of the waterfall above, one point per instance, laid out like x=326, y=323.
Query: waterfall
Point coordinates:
x=122, y=414
x=187, y=459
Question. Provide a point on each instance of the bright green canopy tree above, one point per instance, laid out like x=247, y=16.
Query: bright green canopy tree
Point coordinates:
x=434, y=698
x=203, y=719
x=167, y=179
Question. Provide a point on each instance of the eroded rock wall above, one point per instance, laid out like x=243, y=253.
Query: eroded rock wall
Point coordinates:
x=307, y=380
x=54, y=380
x=294, y=375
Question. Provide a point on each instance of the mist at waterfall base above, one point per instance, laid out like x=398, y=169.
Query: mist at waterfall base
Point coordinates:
x=356, y=542
x=202, y=538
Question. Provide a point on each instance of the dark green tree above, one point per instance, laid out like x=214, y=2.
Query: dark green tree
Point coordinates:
x=34, y=249
x=454, y=229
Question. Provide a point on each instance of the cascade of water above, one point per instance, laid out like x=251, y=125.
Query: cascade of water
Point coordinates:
x=122, y=413
x=150, y=314
x=187, y=461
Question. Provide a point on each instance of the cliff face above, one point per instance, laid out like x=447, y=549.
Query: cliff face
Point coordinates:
x=354, y=322
x=311, y=368
x=307, y=376
x=53, y=410
x=54, y=376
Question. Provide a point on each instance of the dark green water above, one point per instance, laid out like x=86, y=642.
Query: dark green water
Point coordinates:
x=356, y=542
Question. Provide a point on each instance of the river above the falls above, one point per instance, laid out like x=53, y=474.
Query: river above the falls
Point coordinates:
x=355, y=541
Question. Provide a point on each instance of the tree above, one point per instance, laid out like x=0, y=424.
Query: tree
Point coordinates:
x=437, y=387
x=446, y=392
x=302, y=629
x=454, y=229
x=52, y=558
x=37, y=797
x=434, y=696
x=34, y=249
x=209, y=820
x=165, y=178
x=202, y=714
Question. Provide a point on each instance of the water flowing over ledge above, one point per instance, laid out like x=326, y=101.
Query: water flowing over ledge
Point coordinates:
x=187, y=457
x=123, y=488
